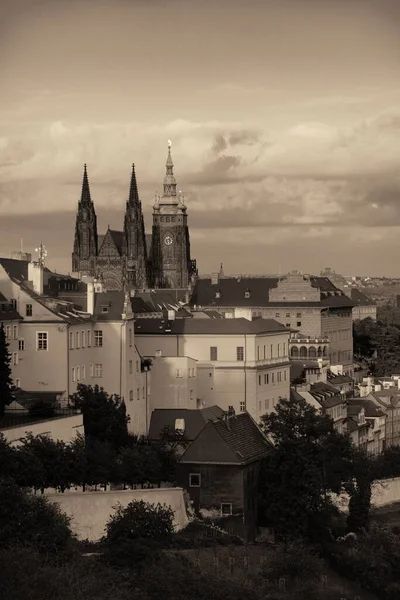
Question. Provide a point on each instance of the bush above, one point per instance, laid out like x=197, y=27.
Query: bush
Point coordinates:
x=42, y=410
x=138, y=531
x=31, y=521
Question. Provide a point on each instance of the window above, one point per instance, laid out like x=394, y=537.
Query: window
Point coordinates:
x=273, y=377
x=298, y=324
x=137, y=394
x=89, y=338
x=98, y=370
x=91, y=371
x=130, y=367
x=82, y=339
x=17, y=383
x=265, y=379
x=8, y=332
x=73, y=373
x=288, y=315
x=130, y=395
x=287, y=325
x=272, y=351
x=279, y=376
x=279, y=350
x=143, y=392
x=258, y=352
x=213, y=353
x=130, y=336
x=194, y=479
x=259, y=380
x=137, y=366
x=78, y=373
x=21, y=345
x=71, y=340
x=41, y=341
x=104, y=309
x=240, y=353
x=179, y=372
x=259, y=406
x=298, y=315
x=284, y=375
x=265, y=356
x=226, y=508
x=15, y=332
x=277, y=315
x=14, y=303
x=77, y=339
x=242, y=407
x=266, y=404
x=98, y=338
x=28, y=310
x=15, y=358
x=83, y=373
x=284, y=349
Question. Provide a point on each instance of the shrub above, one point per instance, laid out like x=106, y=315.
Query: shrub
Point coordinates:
x=31, y=521
x=137, y=531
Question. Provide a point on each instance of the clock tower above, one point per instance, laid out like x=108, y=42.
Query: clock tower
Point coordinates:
x=170, y=256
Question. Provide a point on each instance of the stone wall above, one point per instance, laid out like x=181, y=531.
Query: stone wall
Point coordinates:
x=90, y=511
x=384, y=492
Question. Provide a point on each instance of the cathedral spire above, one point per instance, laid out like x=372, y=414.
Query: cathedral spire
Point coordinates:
x=169, y=179
x=85, y=194
x=133, y=190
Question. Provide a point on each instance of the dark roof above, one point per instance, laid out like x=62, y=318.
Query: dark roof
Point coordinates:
x=17, y=270
x=370, y=408
x=158, y=300
x=233, y=290
x=195, y=420
x=233, y=440
x=113, y=301
x=361, y=299
x=116, y=236
x=339, y=379
x=294, y=395
x=326, y=394
x=208, y=326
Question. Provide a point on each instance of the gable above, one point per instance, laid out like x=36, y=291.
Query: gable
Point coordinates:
x=209, y=447
x=111, y=244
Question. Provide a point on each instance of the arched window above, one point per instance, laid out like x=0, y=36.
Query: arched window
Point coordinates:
x=294, y=352
x=325, y=351
x=312, y=352
x=303, y=352
x=319, y=352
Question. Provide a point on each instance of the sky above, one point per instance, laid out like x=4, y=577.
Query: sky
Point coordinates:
x=284, y=117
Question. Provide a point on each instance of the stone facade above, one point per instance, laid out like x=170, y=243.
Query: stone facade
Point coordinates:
x=130, y=258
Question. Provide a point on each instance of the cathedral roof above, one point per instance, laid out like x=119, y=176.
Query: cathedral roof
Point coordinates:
x=116, y=236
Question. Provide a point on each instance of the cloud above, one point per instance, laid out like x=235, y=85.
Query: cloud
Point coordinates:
x=310, y=175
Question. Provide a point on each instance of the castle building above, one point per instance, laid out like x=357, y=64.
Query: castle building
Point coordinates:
x=131, y=258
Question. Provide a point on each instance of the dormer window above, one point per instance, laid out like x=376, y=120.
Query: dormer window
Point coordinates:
x=218, y=294
x=247, y=294
x=104, y=309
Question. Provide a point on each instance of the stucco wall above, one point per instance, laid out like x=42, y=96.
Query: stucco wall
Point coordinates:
x=90, y=511
x=64, y=429
x=384, y=492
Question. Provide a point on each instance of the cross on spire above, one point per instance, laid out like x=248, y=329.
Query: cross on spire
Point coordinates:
x=85, y=194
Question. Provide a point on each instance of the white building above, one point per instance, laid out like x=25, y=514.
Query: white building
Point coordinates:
x=240, y=363
x=55, y=347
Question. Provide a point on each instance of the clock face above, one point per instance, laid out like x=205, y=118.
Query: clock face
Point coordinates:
x=168, y=240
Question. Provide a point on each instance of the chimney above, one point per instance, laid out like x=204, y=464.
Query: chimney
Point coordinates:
x=90, y=297
x=127, y=312
x=214, y=278
x=171, y=315
x=231, y=411
x=36, y=277
x=180, y=425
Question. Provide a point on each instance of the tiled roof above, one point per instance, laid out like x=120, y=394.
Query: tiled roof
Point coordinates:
x=195, y=420
x=207, y=326
x=339, y=379
x=17, y=270
x=232, y=440
x=158, y=300
x=326, y=394
x=233, y=290
x=361, y=299
x=354, y=405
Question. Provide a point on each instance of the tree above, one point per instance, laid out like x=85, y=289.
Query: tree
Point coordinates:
x=8, y=459
x=6, y=382
x=52, y=456
x=359, y=488
x=104, y=416
x=310, y=459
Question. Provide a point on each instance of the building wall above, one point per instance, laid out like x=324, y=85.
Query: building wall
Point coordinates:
x=120, y=367
x=254, y=384
x=174, y=382
x=90, y=511
x=64, y=429
x=12, y=330
x=337, y=324
x=364, y=312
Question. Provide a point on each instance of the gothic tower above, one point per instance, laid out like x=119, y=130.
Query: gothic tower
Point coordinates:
x=171, y=265
x=134, y=248
x=85, y=243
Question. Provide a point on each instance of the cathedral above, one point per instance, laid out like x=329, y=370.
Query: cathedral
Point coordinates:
x=131, y=258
